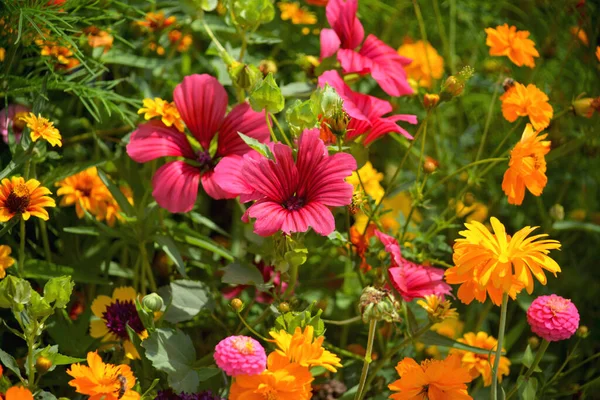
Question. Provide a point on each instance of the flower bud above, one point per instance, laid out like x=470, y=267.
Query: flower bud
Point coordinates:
x=534, y=342
x=338, y=120
x=153, y=302
x=586, y=107
x=469, y=199
x=376, y=304
x=284, y=307
x=42, y=364
x=430, y=100
x=455, y=85
x=267, y=66
x=243, y=76
x=557, y=212
x=583, y=331
x=237, y=304
x=430, y=165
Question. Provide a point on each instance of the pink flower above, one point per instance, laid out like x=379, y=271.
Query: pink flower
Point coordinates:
x=269, y=276
x=10, y=117
x=240, y=355
x=384, y=64
x=202, y=103
x=553, y=318
x=412, y=280
x=366, y=111
x=293, y=195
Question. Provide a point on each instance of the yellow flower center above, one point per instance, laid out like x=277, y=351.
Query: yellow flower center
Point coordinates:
x=244, y=346
x=18, y=199
x=557, y=305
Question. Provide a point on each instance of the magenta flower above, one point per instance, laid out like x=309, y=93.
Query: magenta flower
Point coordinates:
x=553, y=318
x=384, y=64
x=240, y=355
x=10, y=117
x=412, y=280
x=269, y=276
x=292, y=195
x=202, y=103
x=366, y=112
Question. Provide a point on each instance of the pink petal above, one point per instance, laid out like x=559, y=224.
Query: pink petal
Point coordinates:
x=211, y=185
x=388, y=66
x=153, y=140
x=391, y=246
x=356, y=128
x=330, y=43
x=316, y=216
x=176, y=186
x=269, y=217
x=342, y=18
x=353, y=102
x=241, y=119
x=384, y=126
x=6, y=120
x=230, y=176
x=202, y=102
x=353, y=62
x=277, y=180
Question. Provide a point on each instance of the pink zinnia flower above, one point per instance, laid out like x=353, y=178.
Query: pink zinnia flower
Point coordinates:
x=366, y=112
x=553, y=318
x=202, y=103
x=412, y=280
x=269, y=276
x=10, y=117
x=384, y=64
x=293, y=195
x=240, y=355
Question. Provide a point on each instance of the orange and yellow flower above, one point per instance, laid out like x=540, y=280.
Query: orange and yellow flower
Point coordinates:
x=103, y=381
x=302, y=348
x=18, y=197
x=580, y=34
x=281, y=380
x=598, y=53
x=520, y=101
x=18, y=393
x=183, y=42
x=498, y=263
x=156, y=21
x=62, y=54
x=481, y=364
x=85, y=190
x=432, y=379
x=113, y=315
x=168, y=113
x=42, y=128
x=297, y=14
x=426, y=63
x=527, y=167
x=437, y=308
x=516, y=45
x=6, y=261
x=98, y=38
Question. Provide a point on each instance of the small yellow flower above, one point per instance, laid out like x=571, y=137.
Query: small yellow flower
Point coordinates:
x=475, y=212
x=298, y=15
x=42, y=128
x=370, y=179
x=18, y=197
x=6, y=261
x=162, y=108
x=437, y=308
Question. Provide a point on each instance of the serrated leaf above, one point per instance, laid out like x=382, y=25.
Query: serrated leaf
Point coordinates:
x=170, y=248
x=187, y=299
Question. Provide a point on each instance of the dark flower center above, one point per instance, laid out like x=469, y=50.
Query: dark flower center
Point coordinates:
x=205, y=160
x=120, y=314
x=293, y=203
x=18, y=199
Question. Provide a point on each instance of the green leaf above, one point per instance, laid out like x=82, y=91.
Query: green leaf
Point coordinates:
x=324, y=101
x=432, y=338
x=9, y=362
x=528, y=358
x=52, y=354
x=240, y=273
x=38, y=306
x=576, y=226
x=117, y=194
x=14, y=292
x=173, y=352
x=170, y=248
x=13, y=165
x=187, y=299
x=41, y=269
x=205, y=373
x=206, y=244
x=59, y=290
x=130, y=60
x=202, y=220
x=208, y=5
x=82, y=230
x=43, y=395
x=300, y=116
x=251, y=13
x=527, y=388
x=296, y=257
x=267, y=96
x=254, y=144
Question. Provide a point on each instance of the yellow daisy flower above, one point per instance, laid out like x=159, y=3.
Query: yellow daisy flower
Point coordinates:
x=6, y=261
x=41, y=128
x=18, y=197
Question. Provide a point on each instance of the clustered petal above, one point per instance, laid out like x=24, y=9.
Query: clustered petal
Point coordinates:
x=240, y=355
x=553, y=318
x=527, y=101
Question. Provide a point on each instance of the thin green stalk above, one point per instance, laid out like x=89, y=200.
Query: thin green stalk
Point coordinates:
x=367, y=361
x=244, y=46
x=45, y=242
x=452, y=35
x=488, y=119
x=343, y=322
x=441, y=29
x=292, y=282
x=536, y=361
x=564, y=364
x=587, y=360
x=422, y=30
x=31, y=346
x=222, y=52
x=498, y=355
x=285, y=138
x=147, y=268
x=22, y=248
x=273, y=137
x=258, y=335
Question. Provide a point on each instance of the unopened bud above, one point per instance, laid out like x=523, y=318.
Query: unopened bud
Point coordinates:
x=534, y=342
x=153, y=302
x=586, y=107
x=507, y=84
x=243, y=76
x=377, y=304
x=557, y=212
x=430, y=165
x=284, y=307
x=430, y=100
x=583, y=332
x=42, y=364
x=469, y=199
x=237, y=304
x=455, y=85
x=267, y=66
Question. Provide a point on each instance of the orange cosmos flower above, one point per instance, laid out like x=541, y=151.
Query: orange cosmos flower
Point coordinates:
x=426, y=63
x=18, y=393
x=42, y=128
x=507, y=41
x=432, y=379
x=520, y=101
x=481, y=364
x=85, y=190
x=6, y=261
x=103, y=381
x=297, y=14
x=499, y=263
x=156, y=21
x=281, y=380
x=527, y=167
x=161, y=108
x=18, y=197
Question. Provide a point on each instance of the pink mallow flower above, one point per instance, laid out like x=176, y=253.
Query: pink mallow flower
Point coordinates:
x=553, y=318
x=202, y=103
x=412, y=280
x=384, y=64
x=240, y=355
x=269, y=276
x=10, y=117
x=366, y=112
x=292, y=195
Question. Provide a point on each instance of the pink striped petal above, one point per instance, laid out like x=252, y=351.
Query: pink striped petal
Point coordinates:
x=353, y=62
x=176, y=186
x=202, y=102
x=153, y=140
x=247, y=121
x=391, y=246
x=269, y=215
x=212, y=187
x=387, y=66
x=383, y=126
x=341, y=15
x=313, y=215
x=330, y=43
x=275, y=180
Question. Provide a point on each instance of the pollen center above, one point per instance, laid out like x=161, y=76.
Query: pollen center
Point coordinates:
x=244, y=346
x=293, y=203
x=18, y=200
x=557, y=305
x=120, y=314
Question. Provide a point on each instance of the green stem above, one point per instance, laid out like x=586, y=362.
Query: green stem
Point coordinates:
x=423, y=32
x=367, y=361
x=452, y=35
x=488, y=119
x=292, y=282
x=258, y=335
x=461, y=169
x=536, y=361
x=222, y=52
x=244, y=46
x=273, y=137
x=22, y=248
x=564, y=364
x=499, y=346
x=285, y=138
x=31, y=362
x=343, y=322
x=441, y=29
x=45, y=242
x=148, y=268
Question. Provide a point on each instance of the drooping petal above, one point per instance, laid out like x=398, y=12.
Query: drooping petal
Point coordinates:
x=153, y=140
x=176, y=186
x=354, y=62
x=387, y=125
x=330, y=42
x=341, y=15
x=202, y=102
x=245, y=120
x=269, y=215
x=212, y=186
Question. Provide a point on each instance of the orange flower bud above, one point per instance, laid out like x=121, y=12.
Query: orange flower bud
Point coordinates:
x=430, y=100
